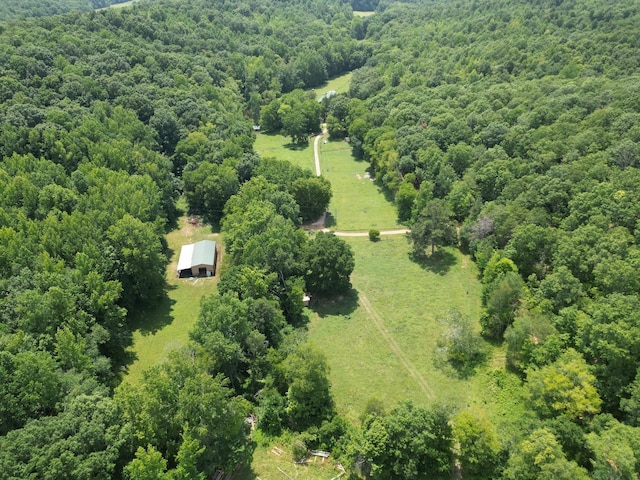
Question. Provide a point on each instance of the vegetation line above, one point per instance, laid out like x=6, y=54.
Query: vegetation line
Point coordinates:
x=393, y=344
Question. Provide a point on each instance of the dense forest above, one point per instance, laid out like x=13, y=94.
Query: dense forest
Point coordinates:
x=508, y=127
x=21, y=9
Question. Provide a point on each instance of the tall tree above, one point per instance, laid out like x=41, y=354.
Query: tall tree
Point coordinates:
x=433, y=227
x=540, y=456
x=312, y=195
x=329, y=263
x=565, y=387
x=408, y=442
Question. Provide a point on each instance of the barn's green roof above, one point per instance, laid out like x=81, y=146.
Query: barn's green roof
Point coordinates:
x=204, y=253
x=199, y=253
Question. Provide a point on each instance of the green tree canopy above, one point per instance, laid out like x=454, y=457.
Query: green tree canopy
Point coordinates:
x=433, y=227
x=329, y=263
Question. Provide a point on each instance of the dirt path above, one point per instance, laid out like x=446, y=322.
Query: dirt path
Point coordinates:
x=366, y=234
x=316, y=153
x=395, y=347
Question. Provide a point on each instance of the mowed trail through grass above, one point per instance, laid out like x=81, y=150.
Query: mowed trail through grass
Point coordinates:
x=380, y=340
x=166, y=327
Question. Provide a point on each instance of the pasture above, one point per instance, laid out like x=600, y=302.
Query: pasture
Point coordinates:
x=338, y=84
x=357, y=203
x=279, y=146
x=166, y=327
x=380, y=340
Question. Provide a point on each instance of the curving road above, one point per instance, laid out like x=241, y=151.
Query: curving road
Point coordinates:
x=316, y=156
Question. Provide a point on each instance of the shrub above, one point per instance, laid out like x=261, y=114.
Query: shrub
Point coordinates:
x=374, y=235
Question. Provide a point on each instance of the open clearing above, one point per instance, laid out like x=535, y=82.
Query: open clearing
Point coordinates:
x=380, y=340
x=338, y=84
x=357, y=203
x=278, y=146
x=359, y=13
x=272, y=462
x=167, y=326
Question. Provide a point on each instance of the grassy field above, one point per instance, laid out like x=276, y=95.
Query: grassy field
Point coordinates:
x=167, y=326
x=380, y=340
x=272, y=145
x=358, y=203
x=269, y=461
x=338, y=84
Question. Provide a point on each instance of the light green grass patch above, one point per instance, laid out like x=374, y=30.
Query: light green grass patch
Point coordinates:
x=338, y=84
x=357, y=203
x=268, y=459
x=278, y=146
x=166, y=327
x=359, y=13
x=409, y=298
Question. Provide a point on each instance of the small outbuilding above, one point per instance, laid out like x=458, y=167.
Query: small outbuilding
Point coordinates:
x=198, y=259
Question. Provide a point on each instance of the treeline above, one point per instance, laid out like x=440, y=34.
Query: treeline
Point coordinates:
x=531, y=145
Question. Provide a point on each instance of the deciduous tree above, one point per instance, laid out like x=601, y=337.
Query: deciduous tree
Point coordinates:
x=433, y=227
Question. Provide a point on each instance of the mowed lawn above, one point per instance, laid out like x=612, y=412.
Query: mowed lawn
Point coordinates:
x=409, y=299
x=278, y=146
x=338, y=84
x=357, y=203
x=167, y=326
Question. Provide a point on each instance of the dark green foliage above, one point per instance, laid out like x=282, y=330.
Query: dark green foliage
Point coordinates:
x=404, y=199
x=309, y=400
x=86, y=440
x=180, y=396
x=31, y=386
x=501, y=300
x=329, y=262
x=531, y=144
x=40, y=8
x=374, y=235
x=527, y=340
x=630, y=404
x=312, y=195
x=432, y=227
x=407, y=443
x=208, y=188
x=139, y=261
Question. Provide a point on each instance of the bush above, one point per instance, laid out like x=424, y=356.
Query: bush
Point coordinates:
x=374, y=235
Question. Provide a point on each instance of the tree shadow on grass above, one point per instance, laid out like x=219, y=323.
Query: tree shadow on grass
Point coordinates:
x=344, y=304
x=329, y=220
x=440, y=262
x=296, y=146
x=152, y=319
x=462, y=370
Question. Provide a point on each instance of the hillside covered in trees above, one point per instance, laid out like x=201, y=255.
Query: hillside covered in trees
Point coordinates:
x=516, y=121
x=21, y=9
